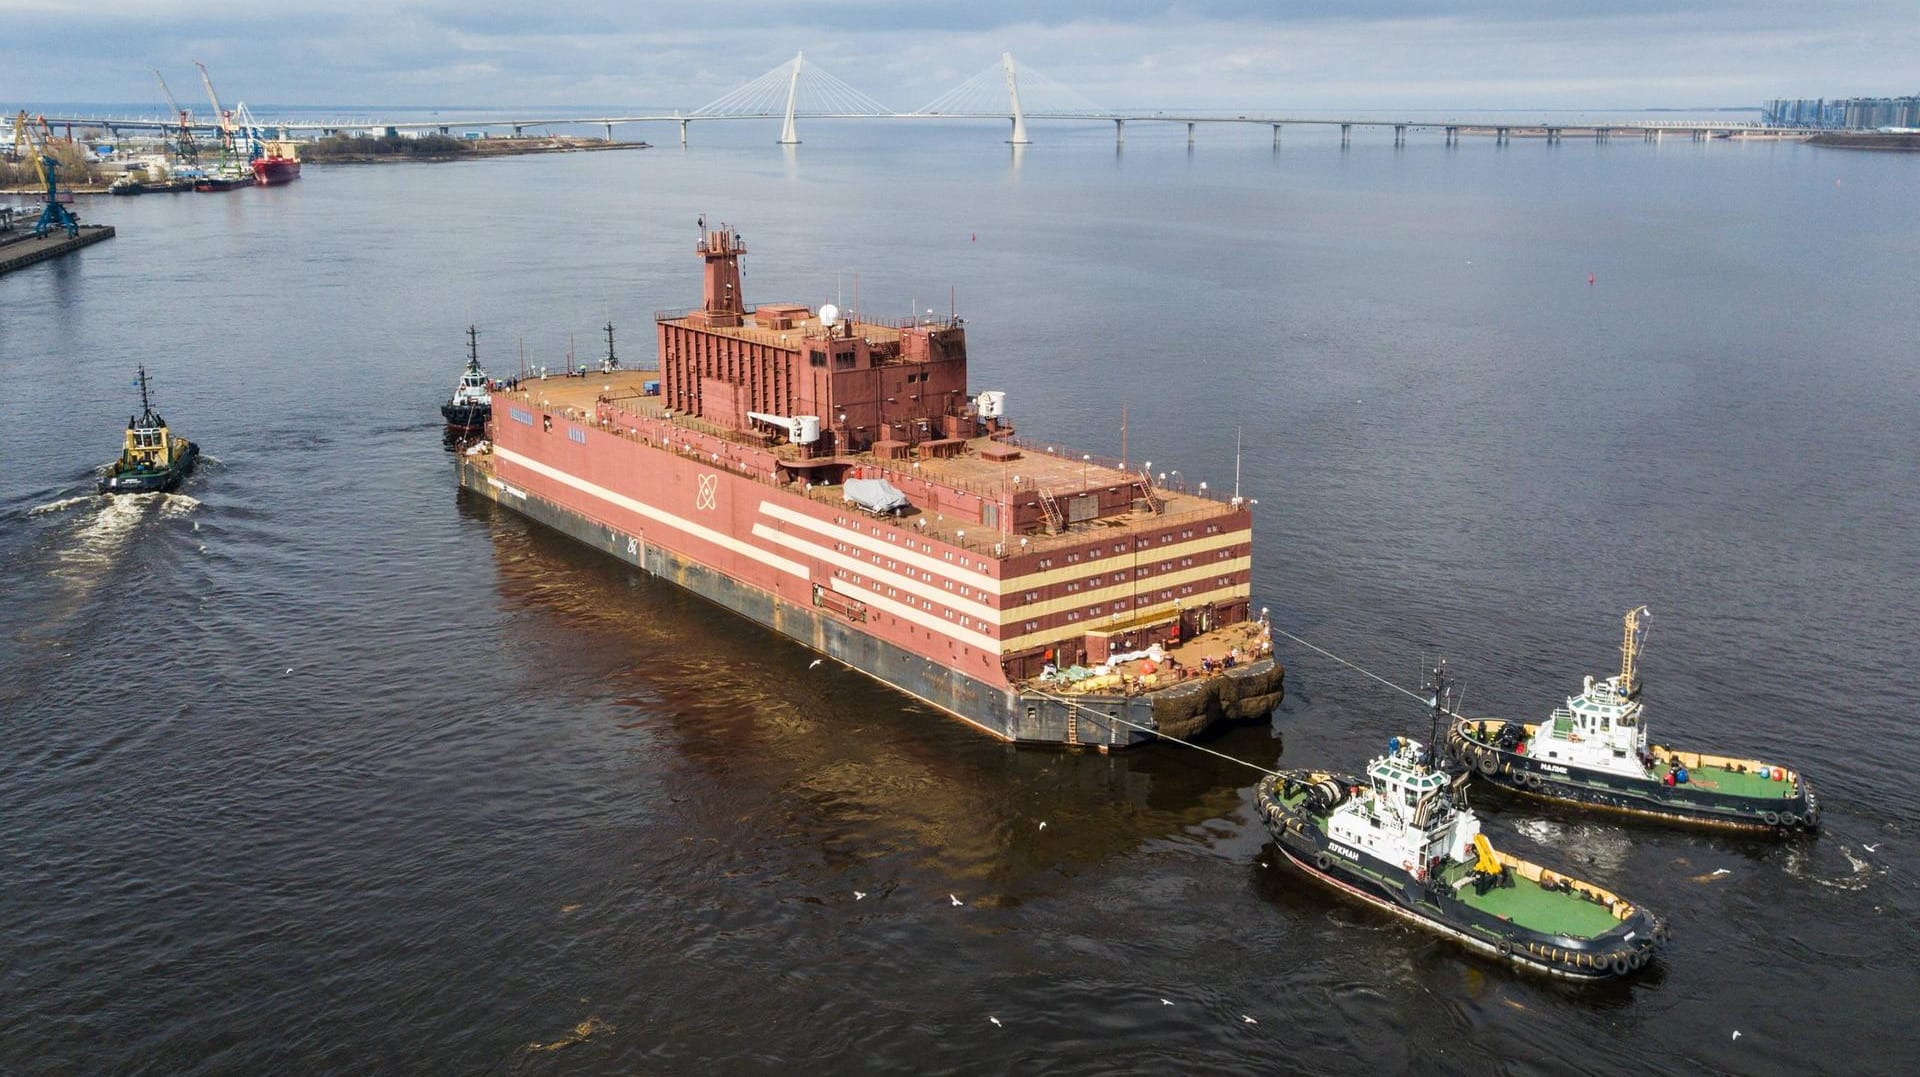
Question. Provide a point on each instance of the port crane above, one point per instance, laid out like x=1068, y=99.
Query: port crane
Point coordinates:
x=184, y=147
x=36, y=144
x=249, y=128
x=227, y=145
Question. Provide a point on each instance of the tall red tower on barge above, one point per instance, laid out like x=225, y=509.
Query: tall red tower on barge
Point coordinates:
x=834, y=478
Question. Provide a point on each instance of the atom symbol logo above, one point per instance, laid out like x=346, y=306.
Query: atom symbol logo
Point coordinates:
x=709, y=485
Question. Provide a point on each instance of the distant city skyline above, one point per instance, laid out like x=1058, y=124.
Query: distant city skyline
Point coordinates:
x=1464, y=54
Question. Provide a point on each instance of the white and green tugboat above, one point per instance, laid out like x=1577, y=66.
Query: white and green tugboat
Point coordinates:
x=1403, y=840
x=1595, y=751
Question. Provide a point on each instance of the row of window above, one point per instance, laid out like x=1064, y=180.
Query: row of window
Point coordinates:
x=894, y=593
x=911, y=543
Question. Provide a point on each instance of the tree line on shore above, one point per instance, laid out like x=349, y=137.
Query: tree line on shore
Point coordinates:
x=342, y=146
x=76, y=167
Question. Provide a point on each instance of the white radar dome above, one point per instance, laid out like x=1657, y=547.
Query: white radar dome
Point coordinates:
x=829, y=314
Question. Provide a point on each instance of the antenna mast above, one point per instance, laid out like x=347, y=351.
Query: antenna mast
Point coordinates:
x=1630, y=642
x=1437, y=683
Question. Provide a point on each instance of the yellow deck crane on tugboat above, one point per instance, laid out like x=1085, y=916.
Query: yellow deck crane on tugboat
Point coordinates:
x=28, y=142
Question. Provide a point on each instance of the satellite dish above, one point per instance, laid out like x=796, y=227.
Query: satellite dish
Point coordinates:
x=829, y=314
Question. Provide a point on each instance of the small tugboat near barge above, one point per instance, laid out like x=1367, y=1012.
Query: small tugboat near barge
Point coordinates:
x=1401, y=839
x=1594, y=751
x=152, y=460
x=471, y=404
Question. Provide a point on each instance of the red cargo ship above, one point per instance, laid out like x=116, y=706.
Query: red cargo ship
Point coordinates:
x=281, y=164
x=833, y=478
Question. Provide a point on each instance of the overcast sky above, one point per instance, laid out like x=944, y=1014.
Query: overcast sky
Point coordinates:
x=1122, y=53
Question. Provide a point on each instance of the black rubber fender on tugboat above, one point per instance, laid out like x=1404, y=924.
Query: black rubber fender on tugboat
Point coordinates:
x=1505, y=948
x=1772, y=818
x=1489, y=765
x=1620, y=964
x=1323, y=860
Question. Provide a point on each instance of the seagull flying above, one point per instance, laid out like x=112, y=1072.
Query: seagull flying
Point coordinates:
x=859, y=895
x=815, y=662
x=1248, y=1020
x=1863, y=845
x=1043, y=824
x=1164, y=1002
x=996, y=1023
x=955, y=900
x=1736, y=1033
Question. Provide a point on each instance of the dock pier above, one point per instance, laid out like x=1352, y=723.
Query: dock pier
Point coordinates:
x=18, y=252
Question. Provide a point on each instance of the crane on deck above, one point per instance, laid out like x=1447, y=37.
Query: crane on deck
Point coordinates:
x=37, y=144
x=184, y=147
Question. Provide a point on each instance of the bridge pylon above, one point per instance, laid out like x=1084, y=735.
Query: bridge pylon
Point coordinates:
x=788, y=135
x=1019, y=137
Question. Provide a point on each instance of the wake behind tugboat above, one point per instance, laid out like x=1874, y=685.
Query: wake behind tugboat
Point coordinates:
x=1402, y=839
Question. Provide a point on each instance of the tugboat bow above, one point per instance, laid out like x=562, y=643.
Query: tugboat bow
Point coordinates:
x=472, y=402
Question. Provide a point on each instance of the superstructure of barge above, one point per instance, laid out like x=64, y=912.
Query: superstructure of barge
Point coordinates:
x=835, y=479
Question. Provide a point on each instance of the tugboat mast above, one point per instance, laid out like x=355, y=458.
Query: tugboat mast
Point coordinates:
x=1437, y=684
x=1630, y=645
x=473, y=344
x=613, y=361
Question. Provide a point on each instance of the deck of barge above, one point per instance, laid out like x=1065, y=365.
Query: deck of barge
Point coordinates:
x=973, y=470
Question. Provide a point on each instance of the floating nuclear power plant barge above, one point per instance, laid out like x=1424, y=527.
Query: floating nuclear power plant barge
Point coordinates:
x=835, y=479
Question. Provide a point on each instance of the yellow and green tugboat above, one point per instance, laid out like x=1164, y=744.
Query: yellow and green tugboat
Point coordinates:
x=1402, y=839
x=1595, y=751
x=153, y=458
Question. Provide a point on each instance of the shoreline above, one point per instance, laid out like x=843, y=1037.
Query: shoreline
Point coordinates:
x=478, y=149
x=481, y=149
x=1902, y=142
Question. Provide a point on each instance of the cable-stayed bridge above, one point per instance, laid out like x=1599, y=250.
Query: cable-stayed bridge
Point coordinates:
x=797, y=90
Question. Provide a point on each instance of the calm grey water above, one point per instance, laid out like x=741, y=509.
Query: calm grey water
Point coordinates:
x=320, y=767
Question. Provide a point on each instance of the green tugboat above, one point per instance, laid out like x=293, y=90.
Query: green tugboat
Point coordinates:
x=1595, y=751
x=1402, y=839
x=153, y=459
